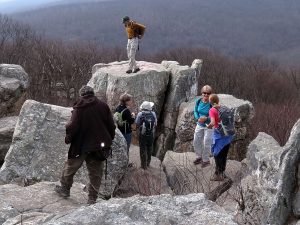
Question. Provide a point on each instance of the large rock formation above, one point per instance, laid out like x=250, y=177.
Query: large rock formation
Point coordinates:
x=186, y=125
x=167, y=85
x=182, y=88
x=38, y=204
x=110, y=81
x=271, y=190
x=13, y=83
x=38, y=150
x=7, y=127
x=184, y=177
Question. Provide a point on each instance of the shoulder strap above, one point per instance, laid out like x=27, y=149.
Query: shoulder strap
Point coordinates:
x=123, y=111
x=198, y=102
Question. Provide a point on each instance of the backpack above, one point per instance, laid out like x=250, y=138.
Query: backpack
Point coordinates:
x=226, y=124
x=147, y=123
x=118, y=118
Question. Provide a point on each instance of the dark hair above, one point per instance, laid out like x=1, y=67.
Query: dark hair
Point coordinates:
x=125, y=19
x=214, y=99
x=86, y=90
x=125, y=98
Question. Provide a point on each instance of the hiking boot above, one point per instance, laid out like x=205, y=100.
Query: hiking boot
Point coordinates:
x=136, y=70
x=198, y=161
x=62, y=191
x=205, y=164
x=129, y=71
x=91, y=201
x=217, y=177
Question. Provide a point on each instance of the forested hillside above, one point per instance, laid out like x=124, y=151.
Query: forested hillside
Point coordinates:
x=234, y=27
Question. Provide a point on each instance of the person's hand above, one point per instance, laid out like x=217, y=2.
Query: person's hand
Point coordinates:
x=133, y=114
x=202, y=119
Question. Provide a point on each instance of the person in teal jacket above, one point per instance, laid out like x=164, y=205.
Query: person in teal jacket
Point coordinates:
x=202, y=136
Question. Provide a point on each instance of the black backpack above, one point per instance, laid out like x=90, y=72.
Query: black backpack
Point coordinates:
x=226, y=124
x=147, y=123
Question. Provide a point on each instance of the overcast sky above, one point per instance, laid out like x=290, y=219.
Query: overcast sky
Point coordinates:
x=1, y=1
x=11, y=6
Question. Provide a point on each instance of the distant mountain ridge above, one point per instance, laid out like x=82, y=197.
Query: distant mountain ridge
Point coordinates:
x=234, y=27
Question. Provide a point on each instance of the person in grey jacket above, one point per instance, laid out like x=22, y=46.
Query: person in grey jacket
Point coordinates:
x=146, y=122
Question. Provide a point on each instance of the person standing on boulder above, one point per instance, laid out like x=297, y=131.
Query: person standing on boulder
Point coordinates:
x=202, y=135
x=135, y=31
x=146, y=122
x=90, y=132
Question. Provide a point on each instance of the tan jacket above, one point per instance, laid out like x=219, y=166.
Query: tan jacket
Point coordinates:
x=135, y=30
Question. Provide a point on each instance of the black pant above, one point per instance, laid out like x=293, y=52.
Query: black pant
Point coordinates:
x=146, y=149
x=221, y=159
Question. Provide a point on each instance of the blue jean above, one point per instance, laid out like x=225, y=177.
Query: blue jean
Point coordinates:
x=128, y=140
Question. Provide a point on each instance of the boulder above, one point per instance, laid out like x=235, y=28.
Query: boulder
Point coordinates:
x=13, y=84
x=283, y=205
x=184, y=177
x=38, y=151
x=259, y=188
x=152, y=181
x=182, y=88
x=271, y=190
x=7, y=127
x=38, y=204
x=149, y=84
x=185, y=128
x=186, y=124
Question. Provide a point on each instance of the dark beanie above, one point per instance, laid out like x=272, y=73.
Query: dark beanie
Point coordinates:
x=125, y=19
x=86, y=90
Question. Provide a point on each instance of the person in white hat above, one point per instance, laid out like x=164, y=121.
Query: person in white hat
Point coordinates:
x=146, y=122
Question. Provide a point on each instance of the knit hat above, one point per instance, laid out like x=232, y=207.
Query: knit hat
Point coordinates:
x=86, y=90
x=125, y=19
x=146, y=106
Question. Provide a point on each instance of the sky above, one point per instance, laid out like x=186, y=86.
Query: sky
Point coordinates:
x=11, y=6
x=1, y=1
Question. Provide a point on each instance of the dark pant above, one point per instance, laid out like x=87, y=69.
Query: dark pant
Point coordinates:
x=221, y=159
x=127, y=137
x=146, y=149
x=94, y=167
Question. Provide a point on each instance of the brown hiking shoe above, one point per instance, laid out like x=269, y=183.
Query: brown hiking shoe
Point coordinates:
x=217, y=177
x=62, y=191
x=198, y=161
x=129, y=71
x=205, y=164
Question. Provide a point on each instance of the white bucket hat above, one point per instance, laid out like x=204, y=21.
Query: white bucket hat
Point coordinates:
x=146, y=105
